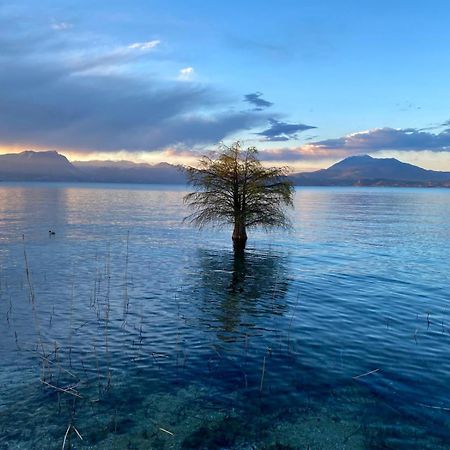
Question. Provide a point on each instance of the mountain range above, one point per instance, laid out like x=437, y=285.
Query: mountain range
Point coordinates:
x=352, y=171
x=52, y=166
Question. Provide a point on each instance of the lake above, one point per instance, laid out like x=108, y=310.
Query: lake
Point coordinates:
x=129, y=329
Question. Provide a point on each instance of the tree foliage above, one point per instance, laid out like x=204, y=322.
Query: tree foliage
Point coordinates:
x=233, y=187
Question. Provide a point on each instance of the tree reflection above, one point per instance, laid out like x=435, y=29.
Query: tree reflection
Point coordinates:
x=240, y=292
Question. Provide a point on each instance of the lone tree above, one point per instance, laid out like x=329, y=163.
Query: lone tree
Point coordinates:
x=232, y=187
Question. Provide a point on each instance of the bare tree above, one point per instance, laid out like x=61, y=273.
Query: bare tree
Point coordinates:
x=233, y=187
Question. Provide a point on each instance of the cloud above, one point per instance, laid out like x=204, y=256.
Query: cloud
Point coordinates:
x=186, y=74
x=370, y=141
x=381, y=139
x=149, y=45
x=256, y=99
x=54, y=95
x=282, y=131
x=180, y=153
x=61, y=26
x=105, y=58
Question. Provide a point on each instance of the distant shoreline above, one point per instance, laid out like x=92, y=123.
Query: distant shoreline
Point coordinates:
x=398, y=185
x=356, y=171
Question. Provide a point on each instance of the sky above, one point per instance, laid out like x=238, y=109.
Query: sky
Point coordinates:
x=307, y=83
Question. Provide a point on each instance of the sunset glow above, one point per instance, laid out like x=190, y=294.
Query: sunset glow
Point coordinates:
x=109, y=81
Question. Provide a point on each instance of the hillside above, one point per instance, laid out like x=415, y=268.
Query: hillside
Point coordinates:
x=37, y=166
x=352, y=171
x=52, y=166
x=367, y=171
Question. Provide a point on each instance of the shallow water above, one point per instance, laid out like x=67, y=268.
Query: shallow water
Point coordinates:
x=137, y=331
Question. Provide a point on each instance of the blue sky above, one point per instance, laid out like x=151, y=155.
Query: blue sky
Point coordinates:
x=307, y=83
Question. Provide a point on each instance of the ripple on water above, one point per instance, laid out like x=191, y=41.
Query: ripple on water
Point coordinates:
x=172, y=342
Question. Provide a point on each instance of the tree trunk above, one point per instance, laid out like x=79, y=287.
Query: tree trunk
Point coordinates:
x=239, y=236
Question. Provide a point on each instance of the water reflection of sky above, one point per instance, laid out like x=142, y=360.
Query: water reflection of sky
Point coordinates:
x=360, y=283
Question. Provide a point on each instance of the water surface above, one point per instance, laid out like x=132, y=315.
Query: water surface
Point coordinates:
x=137, y=331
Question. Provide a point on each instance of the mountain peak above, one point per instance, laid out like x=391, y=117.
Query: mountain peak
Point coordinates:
x=40, y=154
x=355, y=160
x=366, y=170
x=37, y=165
x=359, y=158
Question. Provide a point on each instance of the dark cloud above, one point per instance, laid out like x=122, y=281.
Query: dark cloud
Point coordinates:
x=256, y=99
x=372, y=141
x=435, y=126
x=282, y=131
x=406, y=139
x=52, y=98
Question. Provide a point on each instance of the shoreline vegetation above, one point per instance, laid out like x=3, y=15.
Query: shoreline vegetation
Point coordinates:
x=81, y=398
x=107, y=344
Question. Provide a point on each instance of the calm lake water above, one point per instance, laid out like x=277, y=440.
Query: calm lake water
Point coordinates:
x=137, y=331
